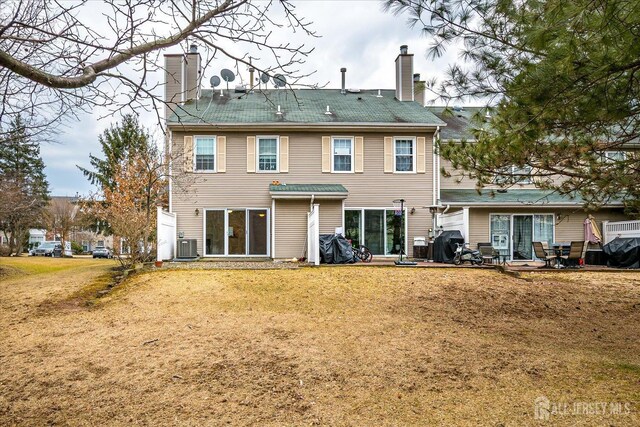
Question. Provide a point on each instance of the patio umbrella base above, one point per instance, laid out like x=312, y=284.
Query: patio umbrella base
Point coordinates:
x=405, y=263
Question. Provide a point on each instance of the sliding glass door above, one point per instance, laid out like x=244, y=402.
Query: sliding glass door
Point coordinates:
x=377, y=229
x=513, y=234
x=236, y=232
x=522, y=237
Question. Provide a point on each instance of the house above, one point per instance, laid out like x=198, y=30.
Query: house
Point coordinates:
x=259, y=172
x=511, y=219
x=249, y=165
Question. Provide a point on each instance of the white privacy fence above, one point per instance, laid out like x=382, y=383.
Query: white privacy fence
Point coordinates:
x=611, y=230
x=166, y=235
x=313, y=235
x=455, y=221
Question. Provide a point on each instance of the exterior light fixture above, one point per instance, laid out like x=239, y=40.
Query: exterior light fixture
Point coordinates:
x=197, y=211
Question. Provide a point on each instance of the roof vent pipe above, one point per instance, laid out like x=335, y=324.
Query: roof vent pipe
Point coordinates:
x=328, y=112
x=344, y=90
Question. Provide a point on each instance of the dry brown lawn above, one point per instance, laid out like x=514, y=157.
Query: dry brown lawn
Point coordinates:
x=322, y=346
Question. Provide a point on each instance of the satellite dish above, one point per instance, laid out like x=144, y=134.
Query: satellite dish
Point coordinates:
x=279, y=80
x=215, y=81
x=227, y=75
x=264, y=78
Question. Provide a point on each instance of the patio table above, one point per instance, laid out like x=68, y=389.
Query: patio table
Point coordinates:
x=559, y=249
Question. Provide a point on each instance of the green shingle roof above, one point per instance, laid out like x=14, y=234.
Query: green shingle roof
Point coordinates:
x=460, y=121
x=303, y=106
x=510, y=197
x=309, y=188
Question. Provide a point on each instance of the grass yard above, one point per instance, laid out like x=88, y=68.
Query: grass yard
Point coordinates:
x=323, y=346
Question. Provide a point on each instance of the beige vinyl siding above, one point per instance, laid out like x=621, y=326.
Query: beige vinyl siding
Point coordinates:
x=238, y=189
x=172, y=88
x=192, y=66
x=407, y=77
x=291, y=228
x=330, y=216
x=569, y=222
x=456, y=180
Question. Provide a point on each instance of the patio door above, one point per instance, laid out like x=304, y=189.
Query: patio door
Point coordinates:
x=522, y=237
x=513, y=234
x=237, y=232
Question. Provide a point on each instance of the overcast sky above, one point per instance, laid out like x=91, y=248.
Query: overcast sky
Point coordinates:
x=355, y=34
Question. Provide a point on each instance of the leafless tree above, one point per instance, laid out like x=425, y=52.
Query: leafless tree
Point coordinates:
x=59, y=58
x=61, y=217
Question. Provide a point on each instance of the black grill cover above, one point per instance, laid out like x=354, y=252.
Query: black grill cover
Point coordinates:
x=335, y=249
x=623, y=252
x=444, y=247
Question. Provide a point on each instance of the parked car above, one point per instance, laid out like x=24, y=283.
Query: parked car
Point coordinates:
x=47, y=248
x=102, y=252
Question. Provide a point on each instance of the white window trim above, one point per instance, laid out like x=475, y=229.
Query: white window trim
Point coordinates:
x=258, y=138
x=413, y=150
x=350, y=138
x=524, y=180
x=511, y=215
x=215, y=153
x=608, y=153
x=226, y=228
x=363, y=240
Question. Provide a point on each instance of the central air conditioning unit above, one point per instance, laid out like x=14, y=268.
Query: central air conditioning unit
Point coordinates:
x=187, y=248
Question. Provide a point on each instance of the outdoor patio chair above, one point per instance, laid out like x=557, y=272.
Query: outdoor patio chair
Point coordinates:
x=575, y=253
x=543, y=254
x=488, y=253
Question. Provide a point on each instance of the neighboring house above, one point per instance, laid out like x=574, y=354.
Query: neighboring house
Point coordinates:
x=513, y=218
x=248, y=167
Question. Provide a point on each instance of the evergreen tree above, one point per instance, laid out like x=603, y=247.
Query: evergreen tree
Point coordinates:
x=118, y=143
x=24, y=190
x=564, y=78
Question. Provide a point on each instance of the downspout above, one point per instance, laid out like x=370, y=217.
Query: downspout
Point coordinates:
x=434, y=167
x=170, y=169
x=438, y=177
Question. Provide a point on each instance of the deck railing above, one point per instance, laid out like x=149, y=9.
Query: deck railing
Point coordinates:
x=611, y=230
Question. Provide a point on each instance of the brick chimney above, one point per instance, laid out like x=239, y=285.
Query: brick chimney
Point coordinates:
x=404, y=75
x=182, y=78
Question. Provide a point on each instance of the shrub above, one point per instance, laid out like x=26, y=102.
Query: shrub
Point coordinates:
x=4, y=250
x=76, y=248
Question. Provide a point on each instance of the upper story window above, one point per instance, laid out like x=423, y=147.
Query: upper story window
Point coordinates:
x=514, y=174
x=522, y=174
x=267, y=153
x=342, y=155
x=204, y=149
x=614, y=156
x=404, y=154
